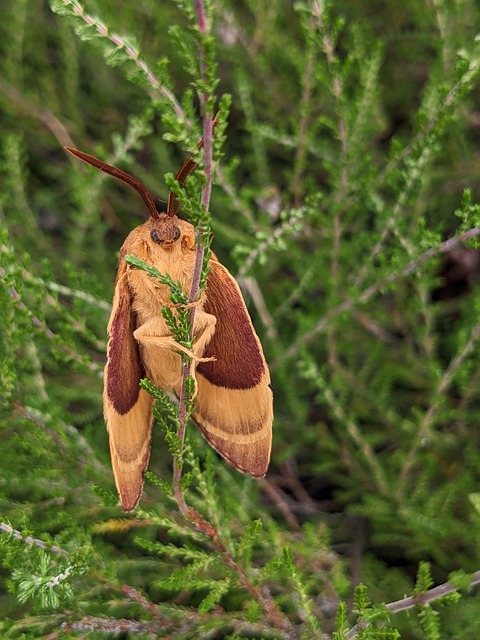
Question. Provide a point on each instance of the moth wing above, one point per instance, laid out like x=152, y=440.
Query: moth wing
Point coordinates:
x=234, y=404
x=127, y=407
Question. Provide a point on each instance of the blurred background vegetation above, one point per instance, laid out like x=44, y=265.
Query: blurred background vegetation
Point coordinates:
x=345, y=204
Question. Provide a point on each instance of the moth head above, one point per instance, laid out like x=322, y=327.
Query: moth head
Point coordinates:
x=164, y=230
x=169, y=233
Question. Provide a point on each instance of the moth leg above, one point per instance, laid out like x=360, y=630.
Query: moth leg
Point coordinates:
x=190, y=353
x=160, y=349
x=152, y=343
x=203, y=329
x=195, y=303
x=168, y=342
x=152, y=332
x=190, y=305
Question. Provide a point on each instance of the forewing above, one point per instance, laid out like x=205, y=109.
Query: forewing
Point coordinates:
x=234, y=404
x=127, y=408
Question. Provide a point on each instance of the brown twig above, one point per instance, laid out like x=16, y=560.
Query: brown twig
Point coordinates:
x=274, y=616
x=419, y=600
x=113, y=626
x=32, y=541
x=147, y=605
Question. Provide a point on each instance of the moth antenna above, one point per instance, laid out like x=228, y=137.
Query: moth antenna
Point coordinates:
x=185, y=170
x=122, y=176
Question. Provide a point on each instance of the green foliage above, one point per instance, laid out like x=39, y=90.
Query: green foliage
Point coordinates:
x=345, y=201
x=38, y=578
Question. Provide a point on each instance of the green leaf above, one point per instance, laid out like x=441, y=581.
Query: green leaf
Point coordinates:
x=214, y=596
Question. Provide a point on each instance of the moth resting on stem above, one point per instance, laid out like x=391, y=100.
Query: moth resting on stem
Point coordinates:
x=233, y=403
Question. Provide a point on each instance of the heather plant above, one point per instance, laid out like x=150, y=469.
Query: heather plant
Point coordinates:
x=342, y=194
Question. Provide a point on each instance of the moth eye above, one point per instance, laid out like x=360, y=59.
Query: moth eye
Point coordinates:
x=177, y=234
x=155, y=237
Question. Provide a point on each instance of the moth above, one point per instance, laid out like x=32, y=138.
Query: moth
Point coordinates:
x=234, y=403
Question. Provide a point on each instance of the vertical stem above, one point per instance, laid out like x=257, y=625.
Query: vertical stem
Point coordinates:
x=197, y=272
x=202, y=20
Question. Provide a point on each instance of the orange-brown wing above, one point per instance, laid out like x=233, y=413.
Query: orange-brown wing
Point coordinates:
x=126, y=407
x=234, y=404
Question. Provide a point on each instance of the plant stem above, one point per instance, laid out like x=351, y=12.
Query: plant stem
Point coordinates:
x=29, y=540
x=274, y=615
x=419, y=600
x=197, y=273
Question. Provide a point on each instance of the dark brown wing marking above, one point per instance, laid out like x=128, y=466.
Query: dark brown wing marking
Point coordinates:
x=124, y=370
x=239, y=360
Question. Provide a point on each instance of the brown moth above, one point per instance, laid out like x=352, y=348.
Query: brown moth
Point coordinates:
x=234, y=404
